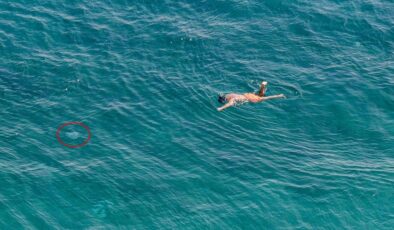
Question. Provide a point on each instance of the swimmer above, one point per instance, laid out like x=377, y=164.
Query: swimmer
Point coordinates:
x=232, y=99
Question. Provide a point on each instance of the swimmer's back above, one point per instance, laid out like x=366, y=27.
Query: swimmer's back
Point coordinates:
x=252, y=97
x=235, y=96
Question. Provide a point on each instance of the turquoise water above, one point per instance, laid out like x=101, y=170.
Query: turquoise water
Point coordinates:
x=145, y=75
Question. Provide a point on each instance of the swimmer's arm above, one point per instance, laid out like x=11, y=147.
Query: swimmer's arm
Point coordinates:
x=272, y=97
x=228, y=104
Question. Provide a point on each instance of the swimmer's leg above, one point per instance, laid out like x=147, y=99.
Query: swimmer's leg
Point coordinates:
x=263, y=88
x=273, y=97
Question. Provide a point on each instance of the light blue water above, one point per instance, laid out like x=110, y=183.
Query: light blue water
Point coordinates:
x=145, y=75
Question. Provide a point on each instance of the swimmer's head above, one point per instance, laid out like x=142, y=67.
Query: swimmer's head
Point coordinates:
x=222, y=99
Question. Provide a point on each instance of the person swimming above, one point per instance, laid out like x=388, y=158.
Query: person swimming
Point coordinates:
x=232, y=99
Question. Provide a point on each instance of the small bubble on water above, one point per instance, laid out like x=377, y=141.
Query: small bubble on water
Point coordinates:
x=73, y=135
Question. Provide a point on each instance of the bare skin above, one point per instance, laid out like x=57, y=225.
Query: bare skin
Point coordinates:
x=234, y=98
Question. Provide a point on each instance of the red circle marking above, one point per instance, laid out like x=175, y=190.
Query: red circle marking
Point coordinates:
x=73, y=123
